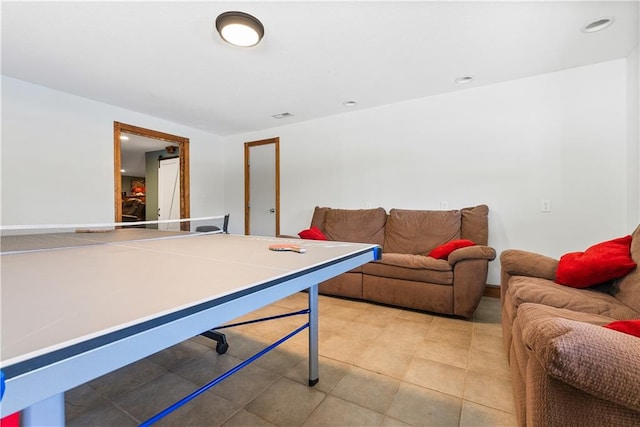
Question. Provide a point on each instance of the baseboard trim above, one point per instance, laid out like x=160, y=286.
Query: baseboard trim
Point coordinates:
x=492, y=291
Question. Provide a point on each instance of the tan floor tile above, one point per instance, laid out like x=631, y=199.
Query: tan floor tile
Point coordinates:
x=245, y=385
x=366, y=388
x=474, y=415
x=177, y=354
x=286, y=402
x=489, y=391
x=451, y=335
x=243, y=418
x=82, y=400
x=489, y=343
x=422, y=407
x=436, y=376
x=343, y=349
x=337, y=412
x=127, y=378
x=494, y=329
x=444, y=352
x=392, y=422
x=297, y=301
x=418, y=316
x=382, y=358
x=104, y=416
x=453, y=323
x=489, y=363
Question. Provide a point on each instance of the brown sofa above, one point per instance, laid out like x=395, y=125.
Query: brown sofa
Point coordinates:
x=406, y=276
x=566, y=368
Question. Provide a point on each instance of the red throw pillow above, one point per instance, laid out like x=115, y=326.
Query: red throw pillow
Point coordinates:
x=313, y=233
x=631, y=327
x=443, y=251
x=598, y=264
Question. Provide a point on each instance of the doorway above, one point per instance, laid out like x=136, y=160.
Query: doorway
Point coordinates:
x=162, y=138
x=169, y=193
x=262, y=187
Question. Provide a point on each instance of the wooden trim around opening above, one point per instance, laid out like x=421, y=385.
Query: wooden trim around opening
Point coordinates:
x=185, y=201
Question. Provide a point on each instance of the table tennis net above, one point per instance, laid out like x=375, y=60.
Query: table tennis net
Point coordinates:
x=22, y=238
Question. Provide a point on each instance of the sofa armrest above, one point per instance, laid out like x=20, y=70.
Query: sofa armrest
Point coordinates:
x=523, y=263
x=472, y=252
x=599, y=361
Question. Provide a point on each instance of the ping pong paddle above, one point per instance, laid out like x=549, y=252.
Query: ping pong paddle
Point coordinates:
x=287, y=247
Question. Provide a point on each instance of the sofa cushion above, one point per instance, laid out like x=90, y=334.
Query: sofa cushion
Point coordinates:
x=355, y=225
x=524, y=289
x=627, y=288
x=598, y=264
x=417, y=268
x=319, y=216
x=418, y=232
x=443, y=251
x=475, y=224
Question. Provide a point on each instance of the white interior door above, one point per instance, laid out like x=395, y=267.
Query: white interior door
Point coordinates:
x=262, y=191
x=169, y=193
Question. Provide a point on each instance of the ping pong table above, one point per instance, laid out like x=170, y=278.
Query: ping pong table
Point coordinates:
x=72, y=314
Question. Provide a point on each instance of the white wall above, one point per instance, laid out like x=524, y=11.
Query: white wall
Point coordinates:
x=57, y=157
x=633, y=136
x=560, y=136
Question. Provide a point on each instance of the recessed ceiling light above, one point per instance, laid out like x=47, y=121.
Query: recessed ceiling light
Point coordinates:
x=464, y=80
x=122, y=171
x=282, y=115
x=239, y=29
x=349, y=103
x=598, y=24
x=124, y=137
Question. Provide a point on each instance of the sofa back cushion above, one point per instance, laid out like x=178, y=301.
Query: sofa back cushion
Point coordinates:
x=418, y=232
x=355, y=225
x=475, y=224
x=319, y=217
x=627, y=288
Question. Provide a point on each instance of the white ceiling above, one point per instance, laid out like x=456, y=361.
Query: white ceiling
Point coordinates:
x=166, y=60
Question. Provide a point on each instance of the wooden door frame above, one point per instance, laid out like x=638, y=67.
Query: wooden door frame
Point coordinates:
x=185, y=202
x=247, y=182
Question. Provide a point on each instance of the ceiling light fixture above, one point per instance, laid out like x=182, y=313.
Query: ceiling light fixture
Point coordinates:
x=349, y=103
x=239, y=29
x=464, y=80
x=598, y=24
x=124, y=137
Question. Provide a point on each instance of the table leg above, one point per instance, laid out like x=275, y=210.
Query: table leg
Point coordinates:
x=313, y=335
x=48, y=412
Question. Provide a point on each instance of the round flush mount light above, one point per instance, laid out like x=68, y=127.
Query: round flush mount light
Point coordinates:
x=463, y=80
x=598, y=24
x=239, y=28
x=124, y=137
x=349, y=103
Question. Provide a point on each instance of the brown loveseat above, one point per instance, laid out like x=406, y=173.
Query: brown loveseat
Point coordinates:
x=566, y=368
x=406, y=276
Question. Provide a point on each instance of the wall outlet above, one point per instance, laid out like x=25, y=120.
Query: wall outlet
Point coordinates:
x=444, y=205
x=545, y=205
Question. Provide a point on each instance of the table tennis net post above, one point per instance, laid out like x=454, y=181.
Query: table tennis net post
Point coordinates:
x=18, y=238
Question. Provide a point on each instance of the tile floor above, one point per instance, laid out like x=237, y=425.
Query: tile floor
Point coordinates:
x=379, y=366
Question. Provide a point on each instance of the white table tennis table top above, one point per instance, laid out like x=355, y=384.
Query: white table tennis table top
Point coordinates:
x=55, y=298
